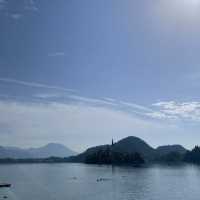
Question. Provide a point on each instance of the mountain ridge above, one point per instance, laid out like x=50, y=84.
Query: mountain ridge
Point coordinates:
x=166, y=149
x=131, y=145
x=50, y=149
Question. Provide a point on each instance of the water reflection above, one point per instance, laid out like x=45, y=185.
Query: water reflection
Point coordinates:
x=93, y=182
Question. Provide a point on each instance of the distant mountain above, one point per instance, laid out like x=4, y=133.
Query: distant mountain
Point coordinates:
x=13, y=152
x=51, y=149
x=129, y=145
x=164, y=150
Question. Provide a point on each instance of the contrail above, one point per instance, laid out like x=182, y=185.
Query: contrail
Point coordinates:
x=33, y=84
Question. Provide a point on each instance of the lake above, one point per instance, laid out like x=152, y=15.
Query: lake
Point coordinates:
x=93, y=182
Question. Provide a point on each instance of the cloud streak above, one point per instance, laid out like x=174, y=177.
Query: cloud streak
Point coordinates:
x=170, y=110
x=16, y=16
x=136, y=106
x=2, y=4
x=92, y=100
x=31, y=6
x=75, y=125
x=69, y=119
x=33, y=84
x=184, y=110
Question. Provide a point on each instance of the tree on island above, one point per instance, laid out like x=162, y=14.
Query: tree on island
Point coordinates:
x=172, y=157
x=193, y=156
x=108, y=156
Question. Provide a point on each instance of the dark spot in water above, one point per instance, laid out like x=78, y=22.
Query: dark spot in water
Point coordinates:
x=102, y=179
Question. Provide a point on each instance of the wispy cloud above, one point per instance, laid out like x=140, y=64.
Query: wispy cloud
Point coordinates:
x=31, y=5
x=48, y=96
x=92, y=100
x=110, y=99
x=170, y=110
x=33, y=84
x=128, y=107
x=16, y=16
x=70, y=95
x=24, y=8
x=160, y=115
x=56, y=54
x=101, y=102
x=184, y=110
x=2, y=4
x=136, y=106
x=63, y=117
x=76, y=125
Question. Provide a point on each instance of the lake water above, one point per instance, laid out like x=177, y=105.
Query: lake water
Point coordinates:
x=92, y=182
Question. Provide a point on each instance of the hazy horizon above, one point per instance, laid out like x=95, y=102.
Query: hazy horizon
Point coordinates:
x=83, y=72
x=87, y=147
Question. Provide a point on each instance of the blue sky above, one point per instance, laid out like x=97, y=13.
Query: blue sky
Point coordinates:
x=83, y=72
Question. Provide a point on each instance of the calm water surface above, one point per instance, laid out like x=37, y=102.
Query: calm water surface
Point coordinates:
x=79, y=181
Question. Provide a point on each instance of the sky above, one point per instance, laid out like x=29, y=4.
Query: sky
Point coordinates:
x=83, y=72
